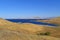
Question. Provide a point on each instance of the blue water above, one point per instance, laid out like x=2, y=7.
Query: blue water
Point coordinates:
x=30, y=21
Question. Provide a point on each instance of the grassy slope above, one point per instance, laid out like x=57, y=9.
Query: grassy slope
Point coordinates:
x=13, y=35
x=14, y=31
x=53, y=20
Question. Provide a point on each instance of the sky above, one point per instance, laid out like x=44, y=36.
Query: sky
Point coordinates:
x=29, y=8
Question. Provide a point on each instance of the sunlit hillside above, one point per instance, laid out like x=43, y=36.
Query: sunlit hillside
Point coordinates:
x=13, y=35
x=53, y=20
x=27, y=31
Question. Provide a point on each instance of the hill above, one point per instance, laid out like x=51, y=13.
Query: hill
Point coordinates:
x=26, y=31
x=53, y=20
x=13, y=35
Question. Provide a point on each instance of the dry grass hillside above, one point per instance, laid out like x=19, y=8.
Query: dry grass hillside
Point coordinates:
x=26, y=31
x=53, y=20
x=13, y=35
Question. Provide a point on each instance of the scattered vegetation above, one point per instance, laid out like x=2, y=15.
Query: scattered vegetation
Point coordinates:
x=45, y=33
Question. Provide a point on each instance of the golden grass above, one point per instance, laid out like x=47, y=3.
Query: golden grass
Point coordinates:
x=26, y=31
x=13, y=35
x=53, y=20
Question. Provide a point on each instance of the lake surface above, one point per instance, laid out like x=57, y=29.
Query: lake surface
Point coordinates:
x=34, y=21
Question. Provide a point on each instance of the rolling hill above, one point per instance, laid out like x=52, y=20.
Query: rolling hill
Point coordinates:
x=26, y=31
x=53, y=20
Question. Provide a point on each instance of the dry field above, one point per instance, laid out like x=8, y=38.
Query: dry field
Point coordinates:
x=27, y=31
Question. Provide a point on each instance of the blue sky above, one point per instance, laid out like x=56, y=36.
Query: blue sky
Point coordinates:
x=29, y=8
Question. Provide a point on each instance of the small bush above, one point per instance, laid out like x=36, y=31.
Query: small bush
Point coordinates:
x=46, y=33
